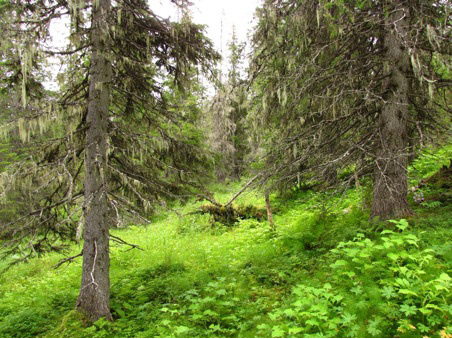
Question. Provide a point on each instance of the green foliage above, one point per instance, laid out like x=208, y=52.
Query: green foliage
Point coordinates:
x=323, y=272
x=320, y=221
x=212, y=311
x=429, y=162
x=431, y=178
x=194, y=223
x=388, y=285
x=415, y=294
x=70, y=325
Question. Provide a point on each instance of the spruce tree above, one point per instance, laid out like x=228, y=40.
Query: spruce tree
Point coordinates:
x=94, y=297
x=354, y=86
x=119, y=145
x=226, y=114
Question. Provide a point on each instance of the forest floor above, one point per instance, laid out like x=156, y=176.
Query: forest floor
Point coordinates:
x=324, y=271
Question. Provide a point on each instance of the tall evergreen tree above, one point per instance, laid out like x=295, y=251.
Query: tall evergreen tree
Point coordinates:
x=119, y=145
x=226, y=115
x=94, y=297
x=351, y=84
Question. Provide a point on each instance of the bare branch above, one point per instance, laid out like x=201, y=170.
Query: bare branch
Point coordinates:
x=68, y=260
x=123, y=242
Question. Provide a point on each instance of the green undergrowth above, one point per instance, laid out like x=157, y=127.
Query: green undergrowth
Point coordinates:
x=324, y=271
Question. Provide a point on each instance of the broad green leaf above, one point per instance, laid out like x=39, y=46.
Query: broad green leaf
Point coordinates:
x=210, y=313
x=445, y=277
x=348, y=318
x=295, y=330
x=408, y=292
x=312, y=322
x=388, y=292
x=197, y=316
x=408, y=309
x=182, y=329
x=339, y=263
x=393, y=256
x=277, y=332
x=290, y=312
x=221, y=292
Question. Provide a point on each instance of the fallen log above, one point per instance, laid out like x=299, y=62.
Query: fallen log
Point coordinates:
x=228, y=215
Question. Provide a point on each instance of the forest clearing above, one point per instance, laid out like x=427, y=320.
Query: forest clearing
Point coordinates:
x=296, y=183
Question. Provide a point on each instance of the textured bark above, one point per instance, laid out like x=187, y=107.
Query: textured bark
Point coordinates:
x=390, y=178
x=94, y=297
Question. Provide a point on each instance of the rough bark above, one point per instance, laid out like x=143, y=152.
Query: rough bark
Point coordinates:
x=390, y=178
x=94, y=297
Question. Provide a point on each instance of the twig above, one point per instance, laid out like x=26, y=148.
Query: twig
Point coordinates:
x=69, y=260
x=123, y=242
x=66, y=52
x=212, y=200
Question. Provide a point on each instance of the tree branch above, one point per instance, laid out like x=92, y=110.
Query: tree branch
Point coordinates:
x=66, y=52
x=68, y=260
x=243, y=189
x=123, y=242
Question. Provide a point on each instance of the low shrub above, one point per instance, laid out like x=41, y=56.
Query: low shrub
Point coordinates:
x=388, y=286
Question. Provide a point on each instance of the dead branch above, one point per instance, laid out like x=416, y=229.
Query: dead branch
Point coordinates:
x=211, y=200
x=66, y=52
x=123, y=242
x=243, y=189
x=68, y=260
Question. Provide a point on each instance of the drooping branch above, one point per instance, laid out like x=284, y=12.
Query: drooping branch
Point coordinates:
x=67, y=52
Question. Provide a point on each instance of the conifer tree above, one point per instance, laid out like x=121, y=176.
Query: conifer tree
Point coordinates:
x=354, y=85
x=119, y=145
x=226, y=115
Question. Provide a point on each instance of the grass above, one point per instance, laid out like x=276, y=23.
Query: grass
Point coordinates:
x=195, y=279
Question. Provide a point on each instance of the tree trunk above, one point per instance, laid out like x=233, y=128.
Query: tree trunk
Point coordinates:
x=390, y=178
x=269, y=210
x=329, y=177
x=94, y=297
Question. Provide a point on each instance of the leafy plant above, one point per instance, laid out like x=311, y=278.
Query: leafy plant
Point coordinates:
x=429, y=162
x=414, y=293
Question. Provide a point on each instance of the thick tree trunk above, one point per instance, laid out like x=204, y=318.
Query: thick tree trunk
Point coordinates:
x=390, y=178
x=94, y=298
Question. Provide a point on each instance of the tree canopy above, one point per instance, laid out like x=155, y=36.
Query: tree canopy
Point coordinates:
x=354, y=85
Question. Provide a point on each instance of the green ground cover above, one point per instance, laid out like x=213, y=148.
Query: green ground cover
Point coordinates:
x=325, y=271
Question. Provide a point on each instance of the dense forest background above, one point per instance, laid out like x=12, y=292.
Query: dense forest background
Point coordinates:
x=299, y=190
